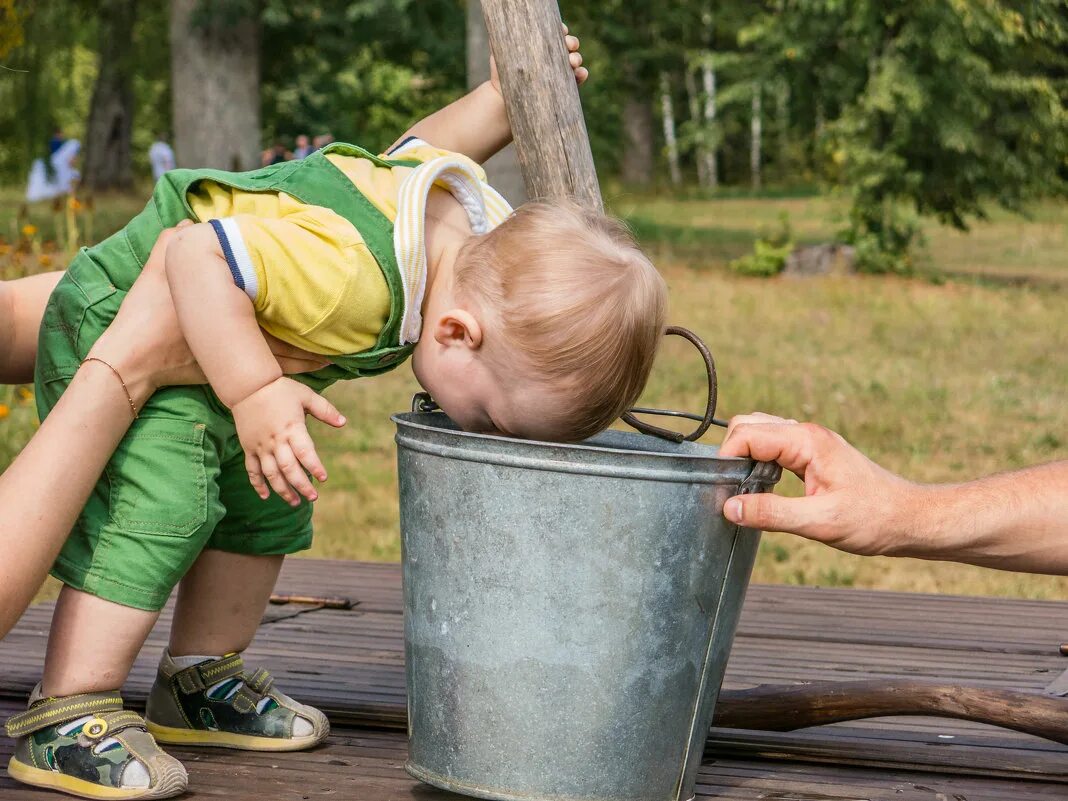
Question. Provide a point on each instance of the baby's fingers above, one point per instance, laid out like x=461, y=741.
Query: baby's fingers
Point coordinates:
x=255, y=476
x=322, y=409
x=278, y=483
x=304, y=450
x=293, y=472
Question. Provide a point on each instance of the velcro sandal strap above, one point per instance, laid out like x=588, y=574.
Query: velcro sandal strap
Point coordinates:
x=201, y=677
x=54, y=711
x=252, y=691
x=111, y=723
x=260, y=682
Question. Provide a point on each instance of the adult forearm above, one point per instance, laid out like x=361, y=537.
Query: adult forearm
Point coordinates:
x=1012, y=521
x=475, y=125
x=22, y=304
x=45, y=488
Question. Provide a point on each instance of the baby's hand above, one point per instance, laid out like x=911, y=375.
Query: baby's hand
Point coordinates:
x=278, y=449
x=574, y=57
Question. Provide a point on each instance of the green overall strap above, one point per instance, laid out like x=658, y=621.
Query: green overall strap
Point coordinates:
x=313, y=181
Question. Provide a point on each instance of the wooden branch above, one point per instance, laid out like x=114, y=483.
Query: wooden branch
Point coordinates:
x=542, y=100
x=786, y=708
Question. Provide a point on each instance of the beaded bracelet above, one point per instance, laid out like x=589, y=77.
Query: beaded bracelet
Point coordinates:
x=129, y=397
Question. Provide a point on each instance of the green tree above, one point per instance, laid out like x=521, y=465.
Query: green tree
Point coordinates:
x=937, y=108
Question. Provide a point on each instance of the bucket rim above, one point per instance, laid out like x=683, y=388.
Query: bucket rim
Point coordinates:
x=405, y=419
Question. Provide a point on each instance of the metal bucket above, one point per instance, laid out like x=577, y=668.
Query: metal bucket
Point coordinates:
x=569, y=609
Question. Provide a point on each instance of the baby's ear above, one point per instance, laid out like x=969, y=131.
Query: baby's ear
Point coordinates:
x=458, y=328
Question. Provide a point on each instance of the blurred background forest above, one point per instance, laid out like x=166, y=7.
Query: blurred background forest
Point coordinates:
x=926, y=143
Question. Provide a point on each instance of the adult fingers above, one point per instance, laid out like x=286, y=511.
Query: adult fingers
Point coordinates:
x=291, y=366
x=322, y=409
x=277, y=480
x=255, y=476
x=790, y=444
x=283, y=349
x=293, y=472
x=304, y=450
x=751, y=418
x=768, y=512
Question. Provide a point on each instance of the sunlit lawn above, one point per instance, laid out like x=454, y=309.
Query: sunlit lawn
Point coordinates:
x=941, y=382
x=710, y=232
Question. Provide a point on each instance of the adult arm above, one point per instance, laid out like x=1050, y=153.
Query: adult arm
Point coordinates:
x=1011, y=521
x=22, y=303
x=43, y=491
x=477, y=124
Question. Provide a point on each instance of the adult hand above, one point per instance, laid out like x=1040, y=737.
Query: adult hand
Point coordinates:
x=145, y=344
x=850, y=502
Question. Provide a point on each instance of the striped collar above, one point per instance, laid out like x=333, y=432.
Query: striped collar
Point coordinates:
x=485, y=208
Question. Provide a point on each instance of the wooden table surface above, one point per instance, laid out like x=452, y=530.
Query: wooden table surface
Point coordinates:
x=350, y=664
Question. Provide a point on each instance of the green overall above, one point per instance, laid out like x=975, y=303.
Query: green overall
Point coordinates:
x=177, y=482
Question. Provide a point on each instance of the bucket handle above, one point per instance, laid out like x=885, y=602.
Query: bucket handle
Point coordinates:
x=422, y=402
x=706, y=420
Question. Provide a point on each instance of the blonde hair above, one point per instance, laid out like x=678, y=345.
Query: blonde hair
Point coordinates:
x=573, y=294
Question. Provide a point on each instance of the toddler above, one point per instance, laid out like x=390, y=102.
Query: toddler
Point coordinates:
x=540, y=323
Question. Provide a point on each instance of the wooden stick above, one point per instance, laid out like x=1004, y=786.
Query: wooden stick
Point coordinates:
x=542, y=100
x=786, y=708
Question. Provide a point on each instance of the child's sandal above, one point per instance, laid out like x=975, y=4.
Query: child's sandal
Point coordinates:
x=217, y=703
x=89, y=746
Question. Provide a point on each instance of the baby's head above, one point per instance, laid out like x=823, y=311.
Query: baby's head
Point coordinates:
x=546, y=328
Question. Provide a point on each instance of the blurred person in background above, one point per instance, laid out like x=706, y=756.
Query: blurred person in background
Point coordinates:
x=161, y=156
x=303, y=148
x=55, y=176
x=275, y=154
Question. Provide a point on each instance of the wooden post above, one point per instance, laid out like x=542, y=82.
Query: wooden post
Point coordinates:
x=542, y=100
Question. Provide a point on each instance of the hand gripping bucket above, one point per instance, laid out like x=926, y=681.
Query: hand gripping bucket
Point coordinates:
x=569, y=609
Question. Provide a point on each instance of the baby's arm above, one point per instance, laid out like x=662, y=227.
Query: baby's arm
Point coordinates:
x=219, y=323
x=477, y=124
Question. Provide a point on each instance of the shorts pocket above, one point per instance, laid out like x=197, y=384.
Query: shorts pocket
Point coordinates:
x=158, y=479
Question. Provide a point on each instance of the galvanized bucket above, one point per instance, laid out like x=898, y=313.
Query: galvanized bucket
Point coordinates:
x=569, y=609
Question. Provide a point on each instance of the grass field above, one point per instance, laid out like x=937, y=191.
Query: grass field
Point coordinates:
x=941, y=381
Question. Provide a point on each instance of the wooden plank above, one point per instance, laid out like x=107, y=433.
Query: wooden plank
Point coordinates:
x=350, y=663
x=542, y=100
x=369, y=765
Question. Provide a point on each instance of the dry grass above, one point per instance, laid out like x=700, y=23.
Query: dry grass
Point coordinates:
x=938, y=382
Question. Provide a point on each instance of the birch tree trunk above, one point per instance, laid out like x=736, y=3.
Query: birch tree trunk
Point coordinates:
x=110, y=127
x=708, y=78
x=782, y=125
x=215, y=86
x=696, y=119
x=671, y=142
x=756, y=126
x=503, y=169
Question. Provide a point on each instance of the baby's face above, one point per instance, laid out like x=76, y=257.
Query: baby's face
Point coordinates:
x=480, y=397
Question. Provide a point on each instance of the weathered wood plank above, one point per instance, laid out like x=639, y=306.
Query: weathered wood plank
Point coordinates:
x=542, y=100
x=369, y=766
x=351, y=664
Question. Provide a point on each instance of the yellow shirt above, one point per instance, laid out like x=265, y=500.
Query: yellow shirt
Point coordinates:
x=310, y=276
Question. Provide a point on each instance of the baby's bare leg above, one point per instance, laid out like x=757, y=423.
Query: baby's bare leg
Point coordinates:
x=221, y=601
x=92, y=644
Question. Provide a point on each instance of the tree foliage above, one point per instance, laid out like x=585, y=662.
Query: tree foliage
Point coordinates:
x=938, y=108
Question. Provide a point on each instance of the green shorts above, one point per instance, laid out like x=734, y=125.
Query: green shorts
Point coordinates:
x=176, y=484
